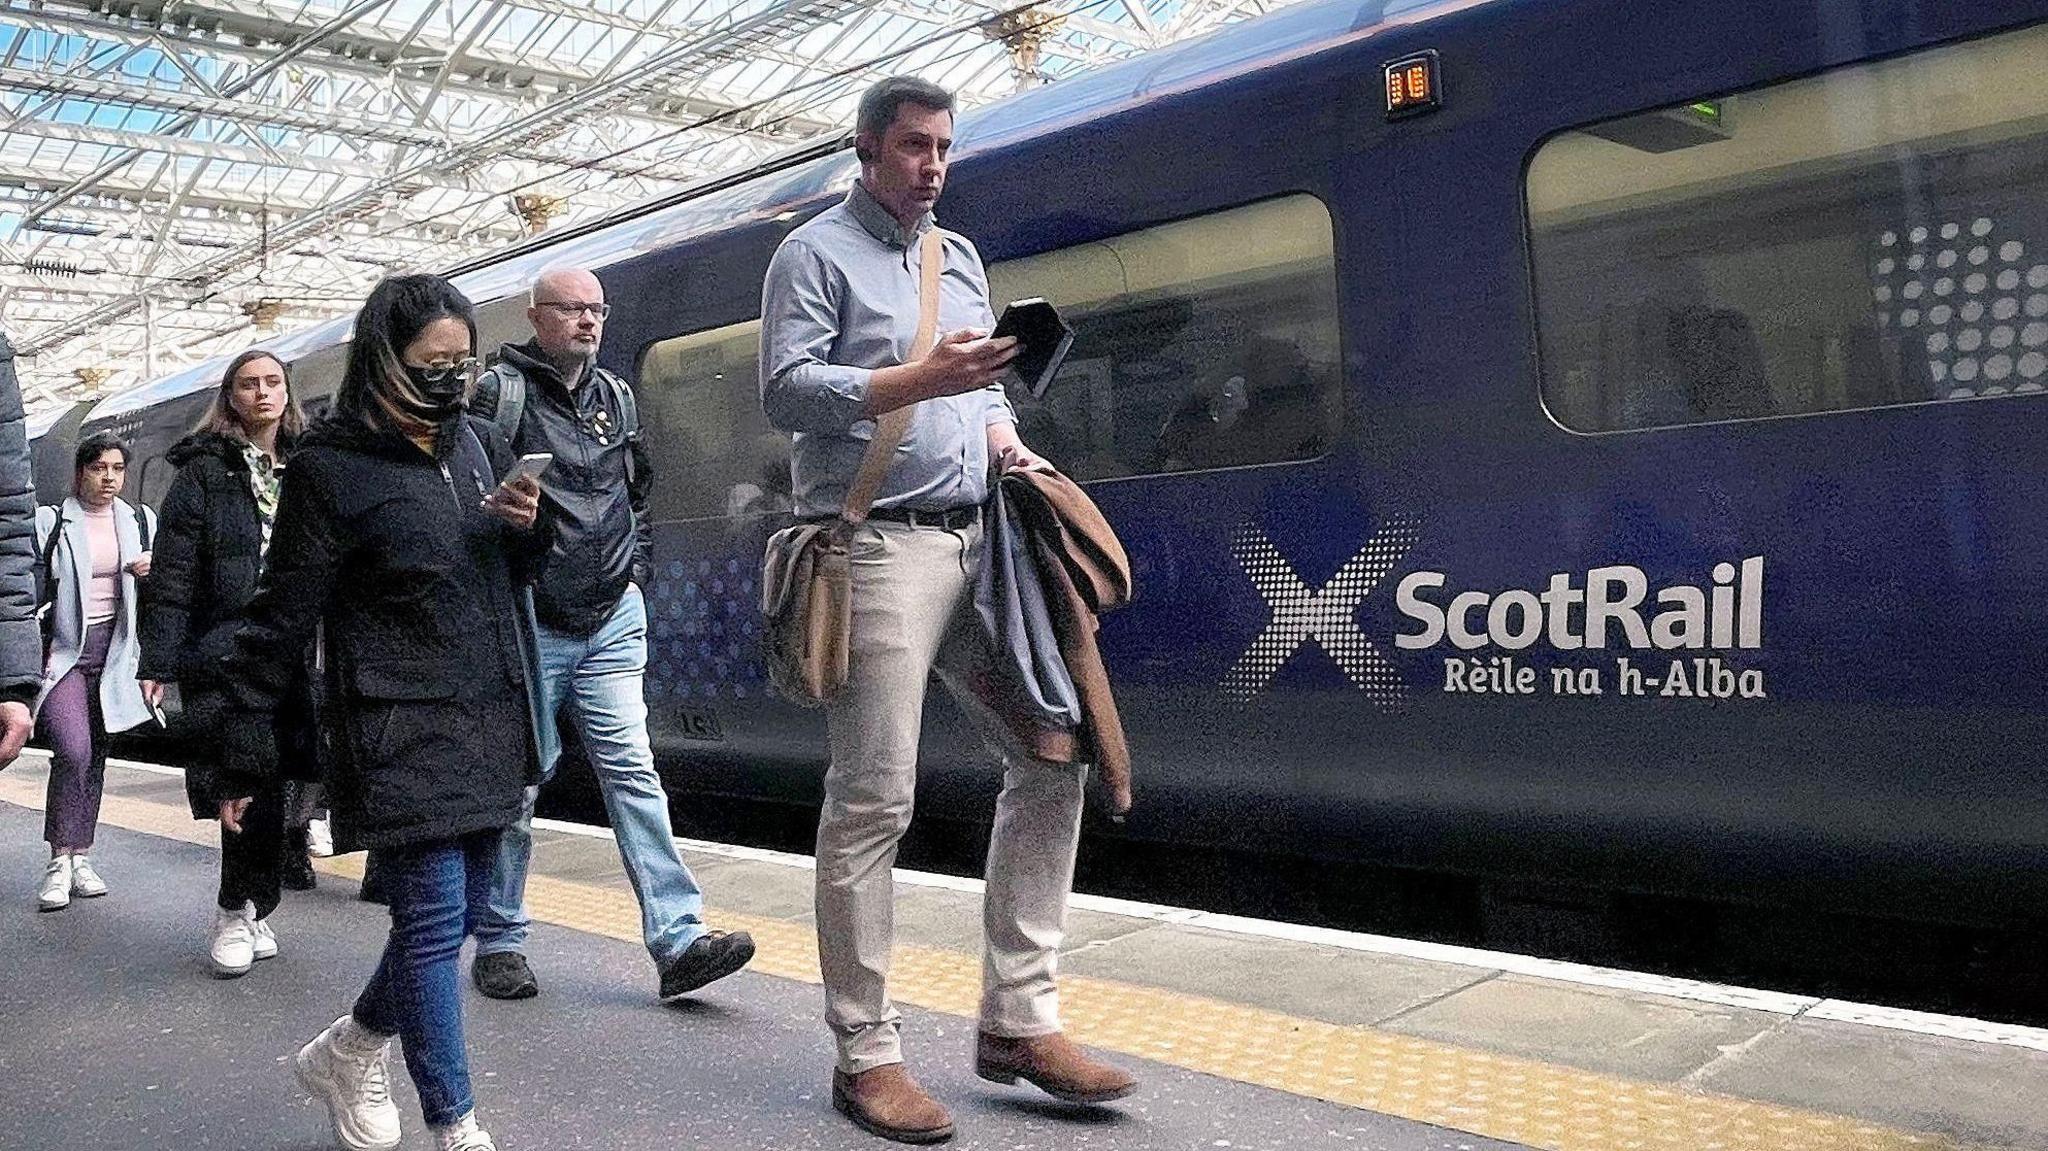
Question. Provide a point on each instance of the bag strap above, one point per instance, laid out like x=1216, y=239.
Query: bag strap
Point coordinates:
x=629, y=414
x=510, y=409
x=141, y=525
x=890, y=426
x=48, y=590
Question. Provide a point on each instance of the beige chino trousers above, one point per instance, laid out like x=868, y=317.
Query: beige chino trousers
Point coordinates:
x=913, y=614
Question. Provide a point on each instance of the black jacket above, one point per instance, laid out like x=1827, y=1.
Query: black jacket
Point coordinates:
x=21, y=640
x=204, y=559
x=601, y=535
x=425, y=713
x=203, y=564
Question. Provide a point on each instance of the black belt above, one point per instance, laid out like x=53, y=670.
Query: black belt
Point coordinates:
x=952, y=519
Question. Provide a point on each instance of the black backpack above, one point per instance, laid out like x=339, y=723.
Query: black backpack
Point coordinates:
x=509, y=406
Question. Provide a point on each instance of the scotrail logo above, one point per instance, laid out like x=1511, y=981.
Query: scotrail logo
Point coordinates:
x=1574, y=615
x=1326, y=616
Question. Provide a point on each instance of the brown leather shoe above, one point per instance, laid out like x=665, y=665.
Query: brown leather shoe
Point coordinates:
x=1054, y=1064
x=886, y=1101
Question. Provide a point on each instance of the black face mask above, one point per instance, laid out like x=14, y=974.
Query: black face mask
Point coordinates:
x=437, y=399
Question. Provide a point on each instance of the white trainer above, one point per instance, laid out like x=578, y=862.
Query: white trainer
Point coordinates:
x=463, y=1135
x=85, y=882
x=55, y=893
x=347, y=1068
x=233, y=948
x=265, y=944
x=319, y=839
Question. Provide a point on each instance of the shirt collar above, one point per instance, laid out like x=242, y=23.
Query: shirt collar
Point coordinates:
x=877, y=220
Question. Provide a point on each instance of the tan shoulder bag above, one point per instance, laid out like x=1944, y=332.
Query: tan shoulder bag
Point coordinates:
x=807, y=572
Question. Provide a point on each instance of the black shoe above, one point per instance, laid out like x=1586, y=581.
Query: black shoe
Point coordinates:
x=714, y=955
x=504, y=975
x=372, y=890
x=296, y=873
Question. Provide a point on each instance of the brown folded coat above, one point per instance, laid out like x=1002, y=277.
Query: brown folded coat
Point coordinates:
x=1085, y=572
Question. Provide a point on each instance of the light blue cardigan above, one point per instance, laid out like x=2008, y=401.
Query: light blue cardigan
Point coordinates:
x=121, y=702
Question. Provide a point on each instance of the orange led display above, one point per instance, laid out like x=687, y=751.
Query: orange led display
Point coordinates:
x=1412, y=86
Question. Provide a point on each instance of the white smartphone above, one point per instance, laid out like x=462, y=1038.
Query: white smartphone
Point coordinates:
x=530, y=466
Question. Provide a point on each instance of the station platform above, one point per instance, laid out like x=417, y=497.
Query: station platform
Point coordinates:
x=1245, y=1034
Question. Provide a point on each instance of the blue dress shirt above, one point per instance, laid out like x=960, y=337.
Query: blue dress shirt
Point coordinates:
x=840, y=301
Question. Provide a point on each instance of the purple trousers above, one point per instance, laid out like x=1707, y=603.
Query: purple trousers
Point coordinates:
x=78, y=753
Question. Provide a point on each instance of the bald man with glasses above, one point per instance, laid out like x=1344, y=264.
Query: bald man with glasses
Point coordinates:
x=590, y=627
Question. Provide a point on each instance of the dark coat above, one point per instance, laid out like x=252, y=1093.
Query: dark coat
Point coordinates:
x=425, y=717
x=593, y=500
x=21, y=640
x=204, y=559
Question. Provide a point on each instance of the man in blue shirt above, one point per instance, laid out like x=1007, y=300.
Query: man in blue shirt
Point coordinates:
x=839, y=313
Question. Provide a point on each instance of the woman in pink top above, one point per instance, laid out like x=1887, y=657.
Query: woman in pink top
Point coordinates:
x=93, y=548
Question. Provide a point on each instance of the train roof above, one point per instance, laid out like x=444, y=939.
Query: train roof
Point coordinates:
x=1234, y=50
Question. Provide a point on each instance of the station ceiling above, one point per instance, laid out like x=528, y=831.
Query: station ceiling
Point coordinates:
x=181, y=177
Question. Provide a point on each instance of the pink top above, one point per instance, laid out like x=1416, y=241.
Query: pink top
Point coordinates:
x=103, y=595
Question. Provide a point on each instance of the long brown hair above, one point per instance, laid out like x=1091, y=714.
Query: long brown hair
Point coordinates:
x=221, y=418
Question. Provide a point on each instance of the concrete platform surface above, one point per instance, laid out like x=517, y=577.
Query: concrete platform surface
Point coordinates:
x=115, y=1035
x=1248, y=1032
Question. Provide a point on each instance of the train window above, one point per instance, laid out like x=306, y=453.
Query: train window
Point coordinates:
x=1199, y=344
x=1873, y=236
x=713, y=450
x=1205, y=343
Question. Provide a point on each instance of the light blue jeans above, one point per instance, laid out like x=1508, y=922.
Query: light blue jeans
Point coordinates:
x=599, y=676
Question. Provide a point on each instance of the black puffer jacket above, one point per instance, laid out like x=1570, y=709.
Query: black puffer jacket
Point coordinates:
x=207, y=551
x=597, y=520
x=204, y=560
x=426, y=716
x=21, y=641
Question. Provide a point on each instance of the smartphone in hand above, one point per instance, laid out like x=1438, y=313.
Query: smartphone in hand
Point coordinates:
x=1043, y=339
x=529, y=467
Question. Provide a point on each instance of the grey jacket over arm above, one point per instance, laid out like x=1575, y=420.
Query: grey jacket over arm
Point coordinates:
x=21, y=640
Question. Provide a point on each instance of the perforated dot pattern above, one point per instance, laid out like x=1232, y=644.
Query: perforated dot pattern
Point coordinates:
x=1985, y=332
x=1328, y=615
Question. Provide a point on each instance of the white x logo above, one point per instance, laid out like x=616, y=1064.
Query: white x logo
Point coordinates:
x=1327, y=615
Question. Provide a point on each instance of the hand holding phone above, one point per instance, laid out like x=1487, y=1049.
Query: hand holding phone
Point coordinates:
x=517, y=500
x=529, y=467
x=1043, y=339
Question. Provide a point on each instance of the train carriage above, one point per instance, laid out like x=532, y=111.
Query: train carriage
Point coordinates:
x=1573, y=443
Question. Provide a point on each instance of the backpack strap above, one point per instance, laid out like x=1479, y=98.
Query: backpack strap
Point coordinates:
x=510, y=408
x=47, y=590
x=629, y=414
x=141, y=524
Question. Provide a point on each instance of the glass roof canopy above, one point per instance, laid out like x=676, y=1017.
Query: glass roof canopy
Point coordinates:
x=179, y=177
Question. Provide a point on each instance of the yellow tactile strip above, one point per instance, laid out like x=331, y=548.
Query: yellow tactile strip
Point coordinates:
x=1512, y=1099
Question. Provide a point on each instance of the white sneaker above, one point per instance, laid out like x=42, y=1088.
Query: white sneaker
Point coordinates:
x=55, y=893
x=463, y=1135
x=85, y=882
x=346, y=1067
x=233, y=948
x=319, y=839
x=264, y=946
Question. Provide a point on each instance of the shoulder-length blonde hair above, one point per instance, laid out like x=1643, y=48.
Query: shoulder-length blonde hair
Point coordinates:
x=221, y=418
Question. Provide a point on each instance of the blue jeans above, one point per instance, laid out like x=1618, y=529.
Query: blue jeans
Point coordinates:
x=600, y=675
x=436, y=891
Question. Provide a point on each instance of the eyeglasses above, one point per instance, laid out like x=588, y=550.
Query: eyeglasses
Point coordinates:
x=569, y=309
x=435, y=373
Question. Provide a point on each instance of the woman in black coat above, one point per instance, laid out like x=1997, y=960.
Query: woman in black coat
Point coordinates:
x=213, y=528
x=394, y=533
